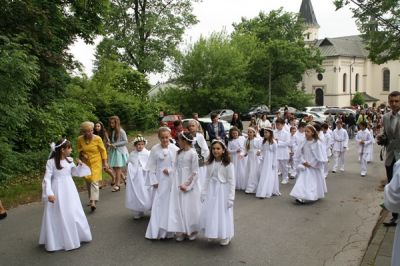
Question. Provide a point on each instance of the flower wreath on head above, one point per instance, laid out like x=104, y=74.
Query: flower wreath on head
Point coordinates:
x=139, y=138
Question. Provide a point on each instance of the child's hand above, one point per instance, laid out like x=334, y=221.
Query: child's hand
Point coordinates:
x=79, y=162
x=183, y=187
x=362, y=142
x=230, y=204
x=165, y=171
x=241, y=157
x=155, y=186
x=258, y=153
x=306, y=164
x=51, y=198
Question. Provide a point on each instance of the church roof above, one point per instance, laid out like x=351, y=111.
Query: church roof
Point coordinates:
x=342, y=46
x=369, y=98
x=307, y=13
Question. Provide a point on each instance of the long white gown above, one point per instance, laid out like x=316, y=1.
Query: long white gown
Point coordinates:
x=310, y=182
x=392, y=203
x=269, y=182
x=64, y=224
x=138, y=197
x=252, y=165
x=185, y=207
x=238, y=160
x=216, y=217
x=159, y=160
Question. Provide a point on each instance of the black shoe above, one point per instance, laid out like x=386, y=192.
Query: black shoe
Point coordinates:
x=3, y=215
x=93, y=208
x=391, y=223
x=333, y=171
x=300, y=201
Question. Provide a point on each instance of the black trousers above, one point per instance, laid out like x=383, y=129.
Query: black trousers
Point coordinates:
x=389, y=175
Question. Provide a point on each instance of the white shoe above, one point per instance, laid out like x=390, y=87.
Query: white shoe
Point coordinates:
x=342, y=169
x=284, y=182
x=363, y=174
x=224, y=242
x=137, y=217
x=192, y=237
x=180, y=238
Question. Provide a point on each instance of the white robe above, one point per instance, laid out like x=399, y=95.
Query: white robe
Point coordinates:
x=339, y=140
x=237, y=151
x=64, y=224
x=138, y=196
x=252, y=165
x=364, y=150
x=310, y=182
x=159, y=160
x=371, y=147
x=392, y=203
x=185, y=207
x=216, y=217
x=269, y=182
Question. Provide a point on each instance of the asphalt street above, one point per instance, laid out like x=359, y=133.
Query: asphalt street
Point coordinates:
x=277, y=231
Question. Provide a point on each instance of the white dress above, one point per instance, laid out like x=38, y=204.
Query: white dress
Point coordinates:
x=64, y=224
x=216, y=217
x=252, y=165
x=269, y=181
x=201, y=147
x=159, y=160
x=310, y=182
x=138, y=197
x=185, y=207
x=392, y=203
x=238, y=160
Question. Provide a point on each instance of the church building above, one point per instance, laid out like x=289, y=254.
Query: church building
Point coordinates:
x=347, y=68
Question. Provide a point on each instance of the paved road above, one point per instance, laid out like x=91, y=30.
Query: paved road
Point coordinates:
x=333, y=231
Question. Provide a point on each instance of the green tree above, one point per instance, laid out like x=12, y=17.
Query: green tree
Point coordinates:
x=144, y=34
x=274, y=42
x=358, y=99
x=379, y=23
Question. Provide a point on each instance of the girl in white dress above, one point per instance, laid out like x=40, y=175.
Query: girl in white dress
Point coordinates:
x=138, y=195
x=64, y=224
x=218, y=196
x=282, y=138
x=161, y=166
x=201, y=148
x=236, y=151
x=252, y=149
x=185, y=205
x=269, y=182
x=310, y=158
x=292, y=149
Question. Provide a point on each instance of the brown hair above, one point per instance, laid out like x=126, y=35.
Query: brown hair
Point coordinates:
x=233, y=129
x=270, y=139
x=116, y=129
x=186, y=137
x=56, y=154
x=226, y=159
x=315, y=132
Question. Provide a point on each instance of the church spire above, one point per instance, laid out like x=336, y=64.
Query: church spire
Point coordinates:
x=307, y=13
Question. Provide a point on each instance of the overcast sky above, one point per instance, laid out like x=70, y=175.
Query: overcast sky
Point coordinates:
x=216, y=15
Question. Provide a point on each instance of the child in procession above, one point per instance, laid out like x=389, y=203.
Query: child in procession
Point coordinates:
x=64, y=224
x=185, y=205
x=282, y=138
x=236, y=149
x=161, y=166
x=340, y=140
x=252, y=152
x=292, y=149
x=328, y=140
x=138, y=196
x=218, y=196
x=310, y=158
x=269, y=182
x=364, y=141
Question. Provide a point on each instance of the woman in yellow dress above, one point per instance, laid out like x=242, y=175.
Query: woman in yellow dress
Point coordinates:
x=92, y=152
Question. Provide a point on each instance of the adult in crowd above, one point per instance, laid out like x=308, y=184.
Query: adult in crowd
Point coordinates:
x=215, y=129
x=195, y=116
x=236, y=122
x=351, y=125
x=93, y=153
x=3, y=213
x=391, y=140
x=101, y=131
x=263, y=122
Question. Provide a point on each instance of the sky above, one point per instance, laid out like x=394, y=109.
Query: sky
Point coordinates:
x=217, y=15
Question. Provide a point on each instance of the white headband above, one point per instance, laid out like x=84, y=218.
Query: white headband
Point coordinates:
x=219, y=141
x=53, y=146
x=186, y=138
x=164, y=128
x=252, y=129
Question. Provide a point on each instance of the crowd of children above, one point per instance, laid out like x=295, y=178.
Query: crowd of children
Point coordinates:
x=188, y=190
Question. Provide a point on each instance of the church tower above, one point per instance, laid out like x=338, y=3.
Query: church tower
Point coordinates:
x=308, y=15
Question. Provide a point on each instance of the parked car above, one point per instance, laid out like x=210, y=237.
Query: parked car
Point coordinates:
x=316, y=109
x=225, y=114
x=290, y=110
x=169, y=120
x=336, y=111
x=255, y=110
x=205, y=121
x=316, y=117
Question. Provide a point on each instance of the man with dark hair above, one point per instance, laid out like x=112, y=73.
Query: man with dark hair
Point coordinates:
x=391, y=140
x=215, y=129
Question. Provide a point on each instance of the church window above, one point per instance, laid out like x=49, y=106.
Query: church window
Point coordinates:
x=386, y=80
x=357, y=81
x=320, y=77
x=344, y=82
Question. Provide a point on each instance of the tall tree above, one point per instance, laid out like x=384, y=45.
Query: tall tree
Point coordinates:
x=379, y=23
x=145, y=33
x=47, y=28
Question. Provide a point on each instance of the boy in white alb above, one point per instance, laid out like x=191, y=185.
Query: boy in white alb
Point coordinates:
x=364, y=141
x=340, y=140
x=282, y=138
